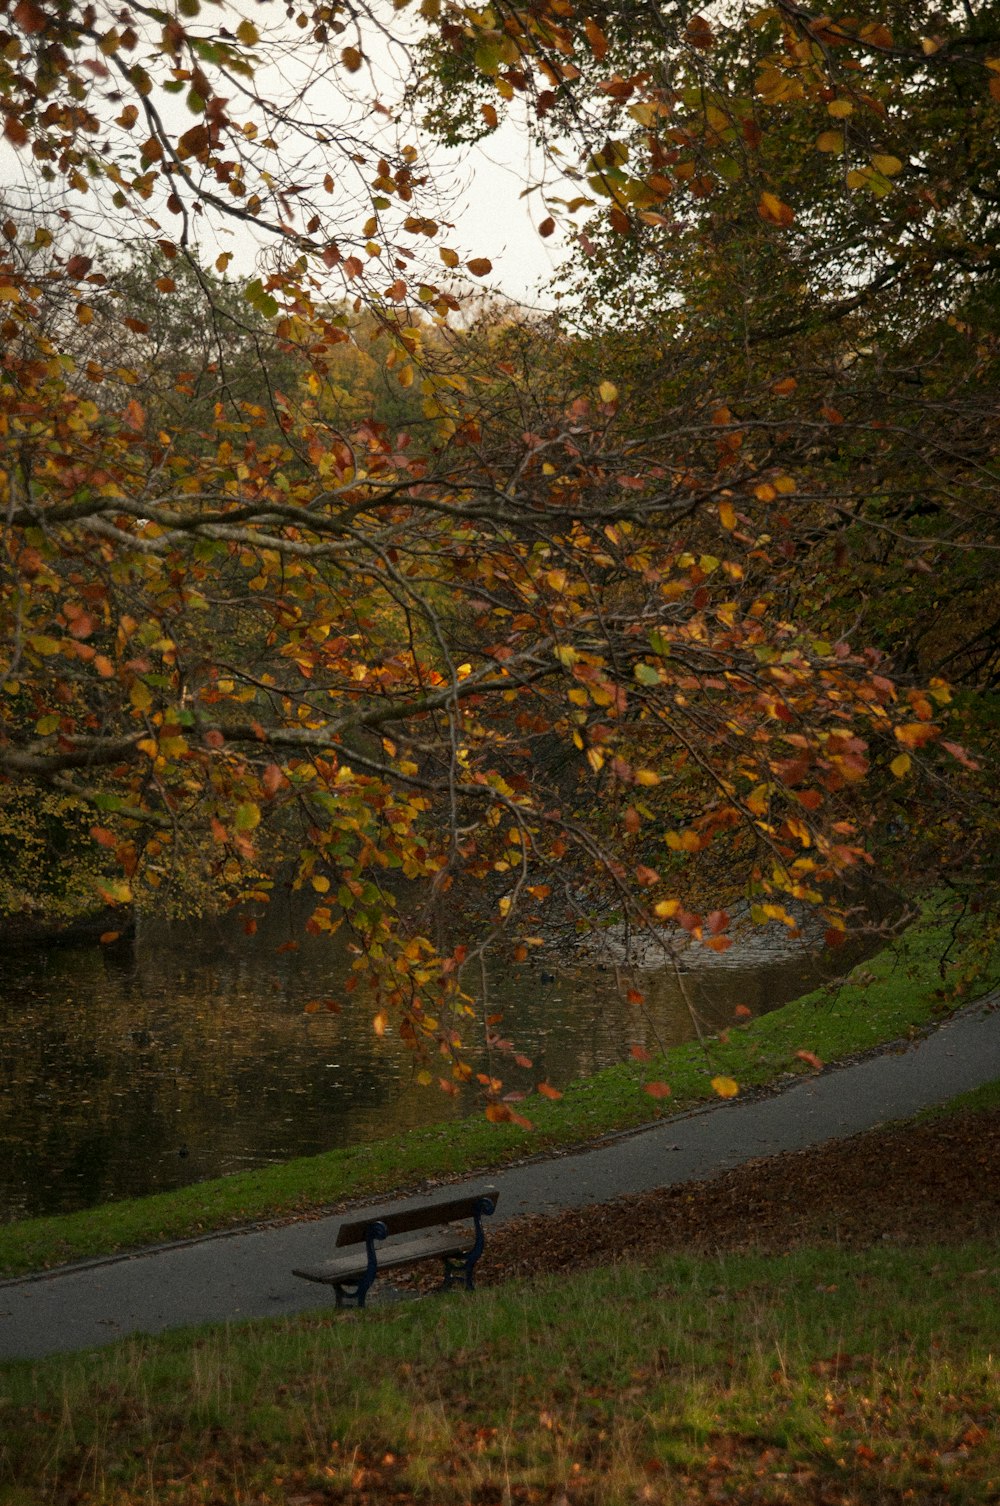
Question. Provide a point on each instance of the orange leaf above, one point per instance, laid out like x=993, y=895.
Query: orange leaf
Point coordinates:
x=107, y=937
x=916, y=734
x=774, y=210
x=135, y=416
x=523, y=1061
x=103, y=837
x=272, y=781
x=811, y=1058
x=656, y=1089
x=957, y=751
x=480, y=266
x=499, y=1113
x=595, y=36
x=742, y=1012
x=547, y=1091
x=640, y=1053
x=312, y=1007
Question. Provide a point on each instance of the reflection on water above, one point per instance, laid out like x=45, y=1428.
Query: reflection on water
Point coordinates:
x=187, y=1054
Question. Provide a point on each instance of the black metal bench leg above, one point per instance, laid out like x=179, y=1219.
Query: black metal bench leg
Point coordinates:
x=353, y=1293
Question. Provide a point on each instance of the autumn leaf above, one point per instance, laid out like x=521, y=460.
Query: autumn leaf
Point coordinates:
x=811, y=1058
x=547, y=1091
x=247, y=816
x=480, y=266
x=916, y=734
x=726, y=1087
x=656, y=1089
x=772, y=209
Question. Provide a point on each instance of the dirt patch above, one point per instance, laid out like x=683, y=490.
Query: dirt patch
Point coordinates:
x=929, y=1183
x=933, y=1183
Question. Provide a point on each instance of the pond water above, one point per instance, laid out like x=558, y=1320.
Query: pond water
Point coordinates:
x=186, y=1053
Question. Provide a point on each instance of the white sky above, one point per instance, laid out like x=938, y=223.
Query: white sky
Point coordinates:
x=483, y=188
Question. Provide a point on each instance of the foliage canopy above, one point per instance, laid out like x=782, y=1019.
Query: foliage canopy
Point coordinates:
x=679, y=593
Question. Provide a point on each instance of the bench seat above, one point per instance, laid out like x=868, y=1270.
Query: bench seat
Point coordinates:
x=448, y=1243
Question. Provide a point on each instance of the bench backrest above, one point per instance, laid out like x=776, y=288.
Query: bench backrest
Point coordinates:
x=422, y=1216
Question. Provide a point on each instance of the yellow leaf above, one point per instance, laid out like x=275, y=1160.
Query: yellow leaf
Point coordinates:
x=840, y=108
x=448, y=256
x=607, y=392
x=726, y=1087
x=727, y=515
x=900, y=765
x=320, y=883
x=774, y=210
x=888, y=166
x=830, y=141
x=666, y=908
x=379, y=1024
x=647, y=777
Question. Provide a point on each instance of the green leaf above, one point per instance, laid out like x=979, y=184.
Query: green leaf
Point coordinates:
x=247, y=816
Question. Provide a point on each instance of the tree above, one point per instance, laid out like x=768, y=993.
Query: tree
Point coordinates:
x=541, y=647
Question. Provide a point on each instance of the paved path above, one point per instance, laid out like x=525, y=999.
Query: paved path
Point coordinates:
x=249, y=1274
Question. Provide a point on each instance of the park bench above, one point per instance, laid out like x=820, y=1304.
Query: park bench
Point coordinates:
x=352, y=1275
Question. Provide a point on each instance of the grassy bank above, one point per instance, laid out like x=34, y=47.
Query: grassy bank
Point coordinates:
x=900, y=991
x=818, y=1377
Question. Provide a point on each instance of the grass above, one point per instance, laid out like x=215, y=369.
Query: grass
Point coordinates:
x=900, y=991
x=823, y=1376
x=976, y=1101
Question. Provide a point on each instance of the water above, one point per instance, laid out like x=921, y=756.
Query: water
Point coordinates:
x=187, y=1054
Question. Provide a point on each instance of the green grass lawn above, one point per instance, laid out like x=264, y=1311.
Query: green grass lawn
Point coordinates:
x=900, y=991
x=818, y=1377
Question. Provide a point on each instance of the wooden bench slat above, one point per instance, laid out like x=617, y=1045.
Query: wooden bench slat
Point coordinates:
x=390, y=1257
x=407, y=1219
